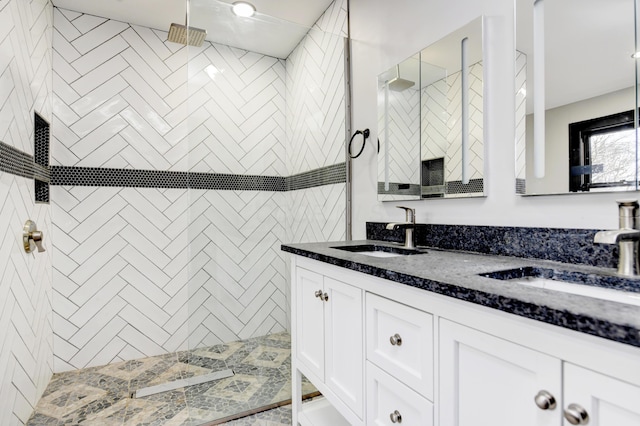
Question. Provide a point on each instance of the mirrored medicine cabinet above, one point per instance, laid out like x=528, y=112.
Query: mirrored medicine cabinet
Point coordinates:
x=576, y=108
x=430, y=121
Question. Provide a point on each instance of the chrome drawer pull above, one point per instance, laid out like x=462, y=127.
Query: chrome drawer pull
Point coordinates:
x=576, y=415
x=395, y=417
x=318, y=293
x=396, y=340
x=545, y=401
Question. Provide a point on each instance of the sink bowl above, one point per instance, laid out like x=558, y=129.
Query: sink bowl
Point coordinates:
x=375, y=250
x=613, y=288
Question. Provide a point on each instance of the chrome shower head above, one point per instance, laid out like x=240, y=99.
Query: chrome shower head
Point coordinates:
x=182, y=34
x=398, y=84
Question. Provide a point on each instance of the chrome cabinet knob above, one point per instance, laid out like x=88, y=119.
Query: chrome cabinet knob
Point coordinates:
x=395, y=340
x=576, y=415
x=324, y=297
x=545, y=401
x=318, y=293
x=395, y=417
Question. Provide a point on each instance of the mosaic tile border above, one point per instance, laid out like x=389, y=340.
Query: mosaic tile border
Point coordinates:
x=20, y=163
x=457, y=187
x=91, y=176
x=329, y=175
x=41, y=135
x=396, y=188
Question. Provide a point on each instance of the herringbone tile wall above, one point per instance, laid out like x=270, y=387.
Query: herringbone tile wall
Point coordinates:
x=142, y=272
x=315, y=112
x=237, y=272
x=237, y=112
x=120, y=93
x=26, y=347
x=453, y=160
x=435, y=117
x=120, y=273
x=404, y=136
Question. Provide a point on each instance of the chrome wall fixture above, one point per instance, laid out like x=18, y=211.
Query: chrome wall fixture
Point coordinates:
x=32, y=237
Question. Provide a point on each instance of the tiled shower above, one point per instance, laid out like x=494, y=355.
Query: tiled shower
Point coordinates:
x=176, y=173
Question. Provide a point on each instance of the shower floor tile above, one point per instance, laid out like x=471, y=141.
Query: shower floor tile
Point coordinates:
x=101, y=395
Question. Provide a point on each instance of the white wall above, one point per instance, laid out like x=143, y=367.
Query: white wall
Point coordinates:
x=26, y=336
x=384, y=33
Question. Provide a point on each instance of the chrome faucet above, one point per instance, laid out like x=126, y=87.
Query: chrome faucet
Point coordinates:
x=627, y=238
x=408, y=226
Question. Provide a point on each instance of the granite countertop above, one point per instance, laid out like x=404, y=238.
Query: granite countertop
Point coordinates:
x=455, y=274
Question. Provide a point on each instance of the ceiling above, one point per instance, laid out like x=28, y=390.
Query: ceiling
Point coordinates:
x=275, y=30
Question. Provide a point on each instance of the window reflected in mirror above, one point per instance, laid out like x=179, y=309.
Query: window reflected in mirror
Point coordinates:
x=585, y=99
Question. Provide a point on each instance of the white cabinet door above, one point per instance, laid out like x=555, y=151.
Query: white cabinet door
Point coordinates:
x=344, y=346
x=310, y=321
x=390, y=402
x=400, y=341
x=607, y=401
x=485, y=380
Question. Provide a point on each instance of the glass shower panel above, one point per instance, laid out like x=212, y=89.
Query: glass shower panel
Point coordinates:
x=256, y=85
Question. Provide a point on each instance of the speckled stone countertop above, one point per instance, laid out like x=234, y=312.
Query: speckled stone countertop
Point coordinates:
x=456, y=274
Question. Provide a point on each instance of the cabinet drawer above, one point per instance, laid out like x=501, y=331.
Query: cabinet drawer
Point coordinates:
x=389, y=402
x=400, y=341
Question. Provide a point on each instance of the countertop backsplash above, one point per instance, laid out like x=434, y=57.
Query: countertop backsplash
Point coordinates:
x=574, y=246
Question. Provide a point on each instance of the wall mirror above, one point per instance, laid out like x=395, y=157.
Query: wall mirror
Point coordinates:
x=430, y=121
x=576, y=96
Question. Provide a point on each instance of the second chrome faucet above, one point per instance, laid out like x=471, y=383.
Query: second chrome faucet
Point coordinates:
x=408, y=225
x=627, y=238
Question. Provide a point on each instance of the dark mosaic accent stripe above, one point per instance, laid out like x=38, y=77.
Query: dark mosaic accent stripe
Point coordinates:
x=41, y=191
x=92, y=176
x=457, y=187
x=41, y=140
x=558, y=244
x=329, y=175
x=521, y=186
x=20, y=163
x=396, y=188
x=219, y=181
x=89, y=176
x=582, y=323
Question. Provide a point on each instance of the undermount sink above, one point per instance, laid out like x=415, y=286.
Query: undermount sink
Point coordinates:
x=375, y=250
x=613, y=288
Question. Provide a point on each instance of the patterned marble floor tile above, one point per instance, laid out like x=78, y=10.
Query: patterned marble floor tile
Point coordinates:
x=100, y=395
x=276, y=417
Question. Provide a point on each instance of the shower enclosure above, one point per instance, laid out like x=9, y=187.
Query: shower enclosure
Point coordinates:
x=266, y=130
x=177, y=173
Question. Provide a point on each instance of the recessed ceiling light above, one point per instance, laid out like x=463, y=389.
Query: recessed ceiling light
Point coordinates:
x=243, y=9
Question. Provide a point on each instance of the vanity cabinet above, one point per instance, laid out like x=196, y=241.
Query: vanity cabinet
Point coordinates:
x=384, y=353
x=487, y=380
x=399, y=374
x=329, y=336
x=606, y=400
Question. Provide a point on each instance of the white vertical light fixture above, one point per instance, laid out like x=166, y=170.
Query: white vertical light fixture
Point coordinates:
x=465, y=108
x=386, y=135
x=538, y=90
